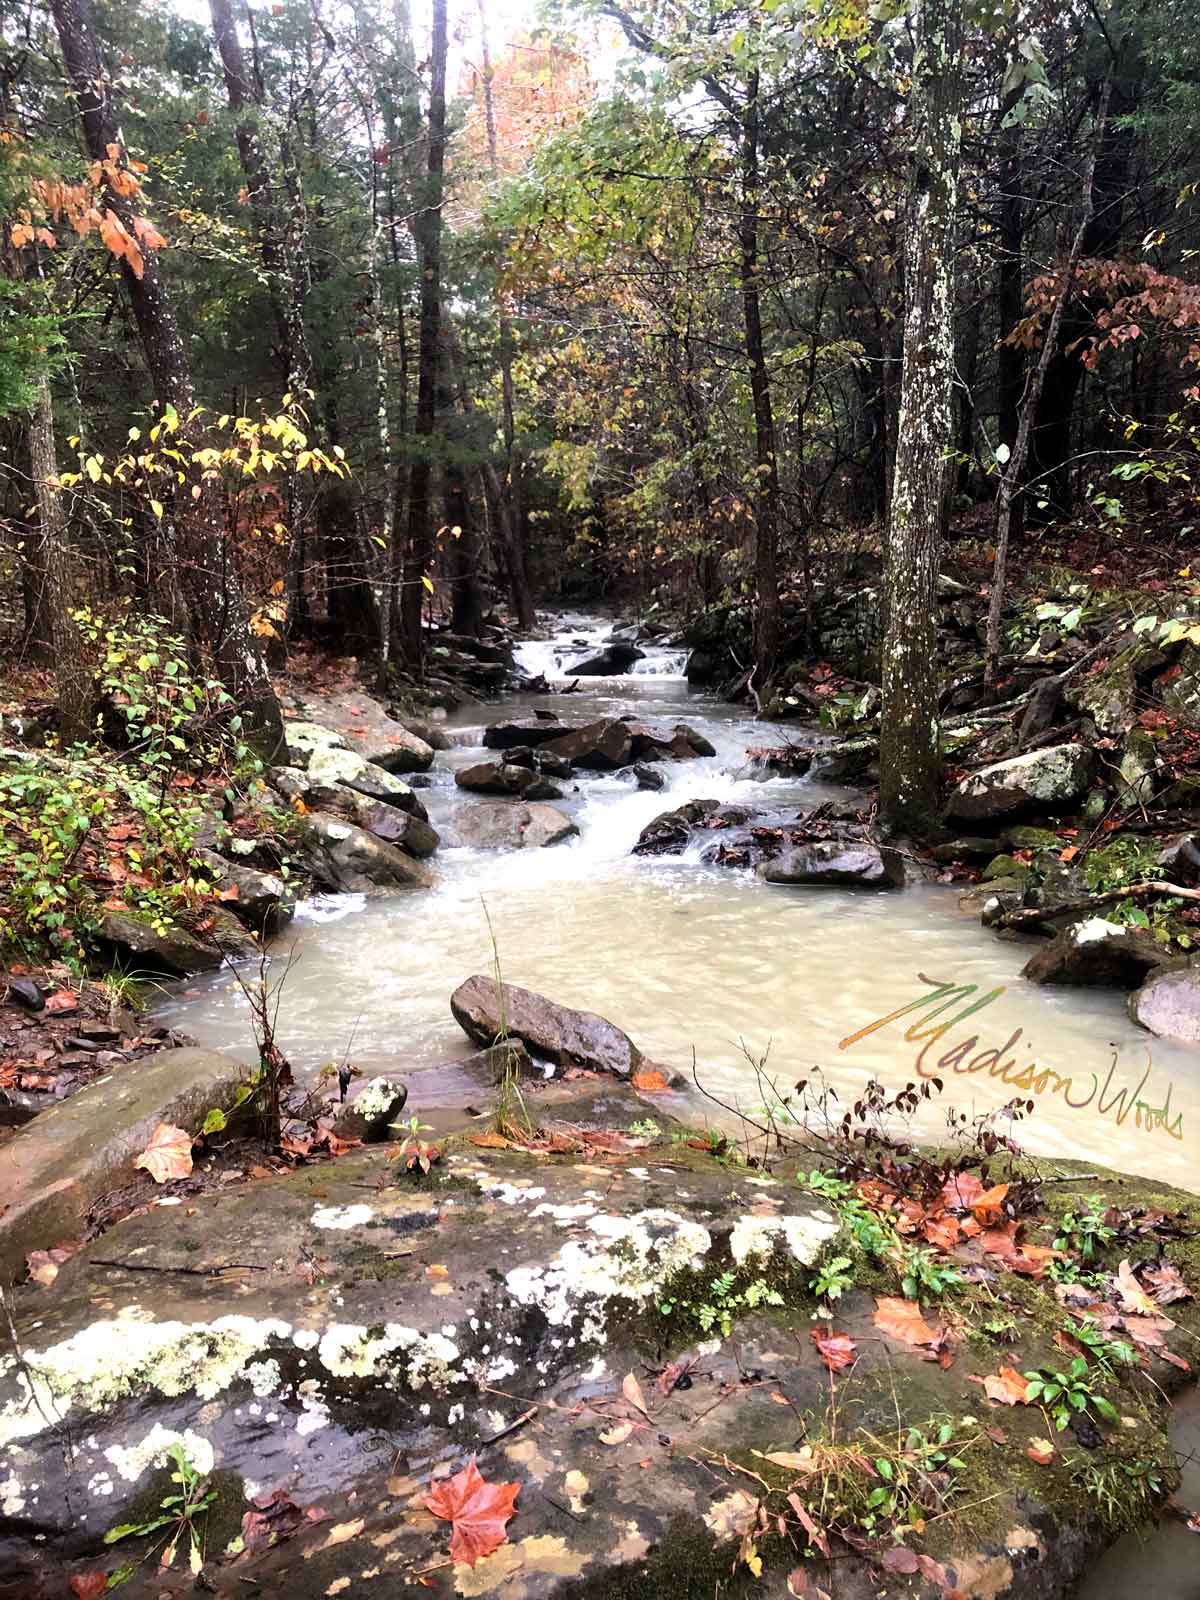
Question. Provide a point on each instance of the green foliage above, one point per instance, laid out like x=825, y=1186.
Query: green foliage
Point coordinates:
x=181, y=1513
x=1069, y=1393
x=923, y=1274
x=1124, y=860
x=717, y=1303
x=31, y=344
x=901, y=1494
x=1084, y=1231
x=832, y=1278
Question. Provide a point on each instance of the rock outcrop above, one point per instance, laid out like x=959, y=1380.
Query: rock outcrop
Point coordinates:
x=1095, y=953
x=487, y=1012
x=349, y=860
x=1043, y=780
x=836, y=864
x=1168, y=1004
x=506, y=777
x=503, y=825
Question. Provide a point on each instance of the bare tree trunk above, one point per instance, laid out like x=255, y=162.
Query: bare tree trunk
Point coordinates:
x=195, y=529
x=74, y=700
x=909, y=758
x=1013, y=470
x=419, y=537
x=513, y=482
x=766, y=479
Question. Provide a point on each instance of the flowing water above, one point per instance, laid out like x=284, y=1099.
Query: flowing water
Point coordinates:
x=693, y=958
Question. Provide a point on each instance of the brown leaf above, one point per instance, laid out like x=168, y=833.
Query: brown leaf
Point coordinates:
x=987, y=1207
x=899, y=1559
x=961, y=1191
x=87, y=1585
x=168, y=1155
x=944, y=1232
x=797, y=1583
x=836, y=1349
x=43, y=1265
x=478, y=1512
x=1041, y=1451
x=814, y=1531
x=1166, y=1285
x=272, y=1519
x=903, y=1320
x=617, y=1434
x=632, y=1390
x=1007, y=1386
x=62, y=1000
x=1132, y=1296
x=490, y=1140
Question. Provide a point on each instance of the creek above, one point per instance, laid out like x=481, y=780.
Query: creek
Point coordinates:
x=690, y=958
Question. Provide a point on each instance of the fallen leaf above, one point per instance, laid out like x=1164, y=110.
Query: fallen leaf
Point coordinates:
x=1007, y=1386
x=340, y=1533
x=477, y=1510
x=903, y=1320
x=987, y=1207
x=814, y=1531
x=650, y=1082
x=632, y=1390
x=43, y=1265
x=797, y=1583
x=490, y=1140
x=942, y=1231
x=961, y=1191
x=899, y=1559
x=168, y=1155
x=62, y=1000
x=436, y=1270
x=1133, y=1297
x=804, y=1461
x=617, y=1434
x=1166, y=1285
x=836, y=1349
x=996, y=1435
x=272, y=1518
x=87, y=1585
x=1041, y=1451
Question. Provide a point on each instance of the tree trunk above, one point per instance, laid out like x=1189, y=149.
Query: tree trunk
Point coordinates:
x=766, y=478
x=909, y=757
x=74, y=697
x=195, y=527
x=419, y=537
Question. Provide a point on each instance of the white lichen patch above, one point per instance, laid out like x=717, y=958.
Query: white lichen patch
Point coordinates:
x=512, y=1194
x=565, y=1215
x=423, y=1359
x=132, y=1460
x=341, y=1216
x=629, y=1257
x=804, y=1236
x=376, y=1099
x=108, y=1360
x=1095, y=930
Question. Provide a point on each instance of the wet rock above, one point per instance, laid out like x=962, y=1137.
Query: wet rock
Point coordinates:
x=845, y=760
x=1025, y=837
x=836, y=863
x=1006, y=867
x=26, y=992
x=1182, y=692
x=695, y=739
x=600, y=746
x=404, y=829
x=486, y=1011
x=81, y=1148
x=369, y=1113
x=349, y=860
x=968, y=849
x=1180, y=860
x=332, y=768
x=503, y=825
x=172, y=953
x=648, y=777
x=671, y=831
x=550, y=765
x=1137, y=773
x=359, y=723
x=616, y=658
x=262, y=902
x=531, y=731
x=1043, y=780
x=501, y=777
x=1168, y=1004
x=1098, y=954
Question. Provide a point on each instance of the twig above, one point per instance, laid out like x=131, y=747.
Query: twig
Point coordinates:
x=1031, y=916
x=191, y=1272
x=512, y=1428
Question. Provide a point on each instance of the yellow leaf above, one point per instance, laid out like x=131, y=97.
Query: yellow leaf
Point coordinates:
x=428, y=582
x=156, y=507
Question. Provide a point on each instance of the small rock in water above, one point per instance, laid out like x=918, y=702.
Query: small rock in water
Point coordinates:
x=648, y=777
x=369, y=1115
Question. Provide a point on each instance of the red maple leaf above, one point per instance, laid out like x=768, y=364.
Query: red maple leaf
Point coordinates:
x=837, y=1349
x=477, y=1510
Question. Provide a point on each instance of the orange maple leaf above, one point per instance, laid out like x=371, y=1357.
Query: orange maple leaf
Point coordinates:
x=903, y=1320
x=836, y=1349
x=168, y=1155
x=477, y=1510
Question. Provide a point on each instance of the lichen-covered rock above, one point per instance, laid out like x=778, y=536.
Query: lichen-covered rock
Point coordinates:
x=330, y=768
x=1043, y=780
x=1168, y=1004
x=370, y=1113
x=1181, y=691
x=407, y=830
x=1137, y=773
x=1095, y=953
x=836, y=863
x=487, y=1011
x=349, y=860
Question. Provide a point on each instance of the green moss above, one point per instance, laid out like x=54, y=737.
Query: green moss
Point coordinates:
x=685, y=1562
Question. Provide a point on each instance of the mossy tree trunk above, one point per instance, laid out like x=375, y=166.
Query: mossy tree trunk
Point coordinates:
x=909, y=756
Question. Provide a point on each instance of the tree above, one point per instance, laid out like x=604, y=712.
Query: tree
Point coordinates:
x=909, y=758
x=193, y=531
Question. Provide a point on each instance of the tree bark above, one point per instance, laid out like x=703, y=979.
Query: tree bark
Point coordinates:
x=766, y=479
x=909, y=758
x=74, y=697
x=419, y=536
x=195, y=529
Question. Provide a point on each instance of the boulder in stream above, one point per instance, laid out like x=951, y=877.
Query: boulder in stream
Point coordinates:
x=601, y=746
x=1096, y=953
x=1168, y=1004
x=503, y=825
x=174, y=952
x=488, y=1011
x=349, y=860
x=615, y=659
x=503, y=777
x=262, y=902
x=836, y=863
x=405, y=829
x=329, y=769
x=358, y=722
x=670, y=830
x=1043, y=780
x=526, y=731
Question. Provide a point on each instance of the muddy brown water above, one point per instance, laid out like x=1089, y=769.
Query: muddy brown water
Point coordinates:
x=698, y=959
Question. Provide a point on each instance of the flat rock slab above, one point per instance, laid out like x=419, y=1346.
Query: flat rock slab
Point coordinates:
x=486, y=1010
x=1043, y=780
x=58, y=1165
x=1168, y=1004
x=510, y=825
x=365, y=727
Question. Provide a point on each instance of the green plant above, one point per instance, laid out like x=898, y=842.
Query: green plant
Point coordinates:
x=180, y=1513
x=1106, y=1352
x=832, y=1278
x=1068, y=1393
x=923, y=1274
x=417, y=1153
x=645, y=1128
x=1123, y=861
x=907, y=1476
x=720, y=1301
x=1084, y=1231
x=1127, y=1492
